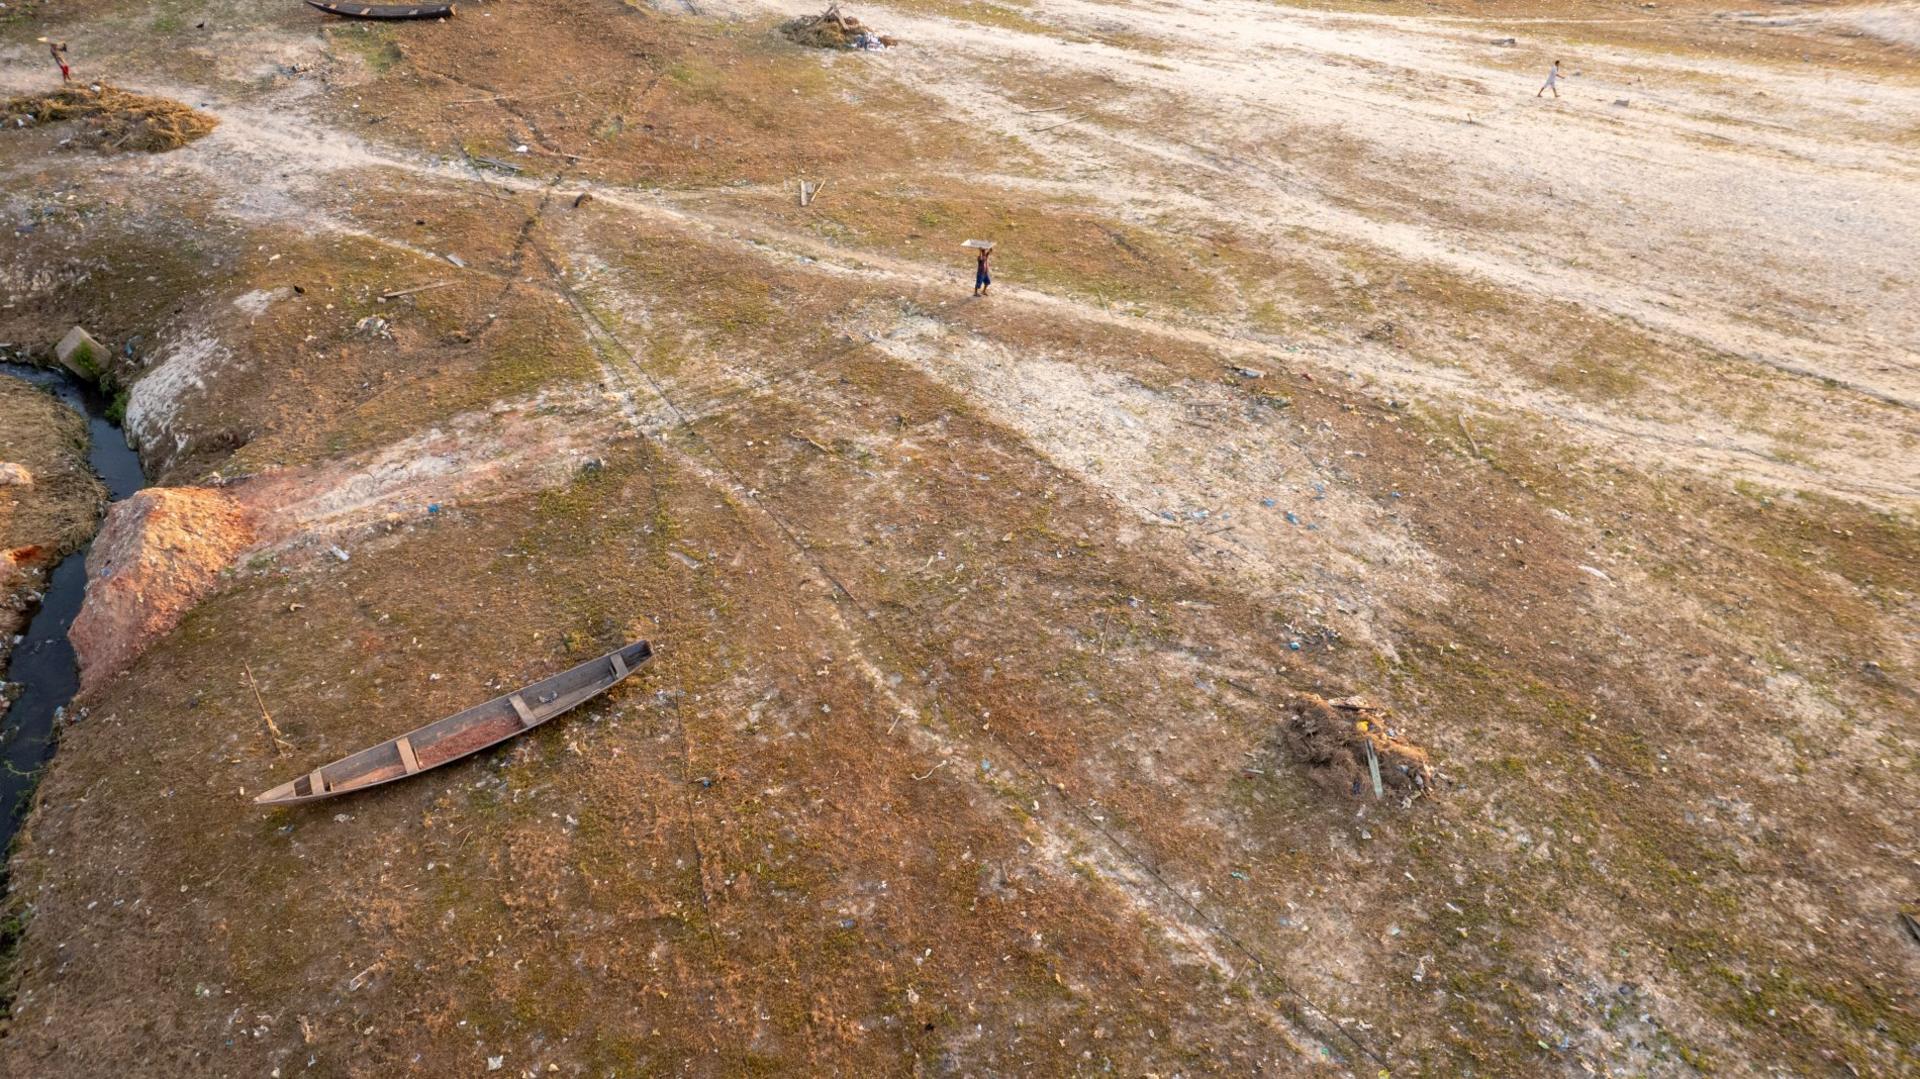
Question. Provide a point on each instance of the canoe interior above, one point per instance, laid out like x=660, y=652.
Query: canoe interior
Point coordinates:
x=463, y=733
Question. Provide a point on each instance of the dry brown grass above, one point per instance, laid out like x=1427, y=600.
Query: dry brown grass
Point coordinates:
x=943, y=738
x=684, y=103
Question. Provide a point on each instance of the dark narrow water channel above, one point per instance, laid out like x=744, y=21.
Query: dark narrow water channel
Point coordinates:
x=43, y=662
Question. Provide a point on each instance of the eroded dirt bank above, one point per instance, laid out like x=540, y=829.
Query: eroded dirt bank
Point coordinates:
x=156, y=555
x=49, y=498
x=981, y=623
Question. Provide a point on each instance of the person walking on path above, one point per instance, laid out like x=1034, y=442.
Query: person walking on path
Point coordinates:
x=1552, y=83
x=982, y=279
x=59, y=51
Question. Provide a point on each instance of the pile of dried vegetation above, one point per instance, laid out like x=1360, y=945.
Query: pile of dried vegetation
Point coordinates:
x=832, y=30
x=1349, y=750
x=114, y=119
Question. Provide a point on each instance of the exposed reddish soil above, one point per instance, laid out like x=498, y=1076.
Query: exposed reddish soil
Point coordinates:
x=157, y=553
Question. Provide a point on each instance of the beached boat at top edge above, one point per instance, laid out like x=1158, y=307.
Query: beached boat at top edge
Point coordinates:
x=383, y=11
x=464, y=733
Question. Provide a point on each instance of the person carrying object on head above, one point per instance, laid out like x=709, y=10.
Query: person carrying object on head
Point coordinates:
x=59, y=51
x=982, y=278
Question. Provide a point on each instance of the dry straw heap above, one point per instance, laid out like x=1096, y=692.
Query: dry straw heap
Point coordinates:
x=114, y=119
x=832, y=30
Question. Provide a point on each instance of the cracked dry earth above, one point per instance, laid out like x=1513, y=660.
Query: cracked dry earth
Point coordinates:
x=1576, y=436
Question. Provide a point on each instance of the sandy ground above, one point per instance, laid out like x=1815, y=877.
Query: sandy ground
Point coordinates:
x=1324, y=356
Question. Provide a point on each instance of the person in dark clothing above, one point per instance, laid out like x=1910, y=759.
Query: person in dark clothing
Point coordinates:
x=982, y=280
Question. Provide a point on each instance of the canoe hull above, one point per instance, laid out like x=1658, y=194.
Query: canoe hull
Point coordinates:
x=464, y=733
x=382, y=11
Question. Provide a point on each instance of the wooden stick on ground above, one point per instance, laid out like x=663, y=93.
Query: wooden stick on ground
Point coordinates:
x=560, y=153
x=1055, y=108
x=1469, y=434
x=511, y=97
x=273, y=730
x=1062, y=123
x=414, y=289
x=509, y=166
x=814, y=194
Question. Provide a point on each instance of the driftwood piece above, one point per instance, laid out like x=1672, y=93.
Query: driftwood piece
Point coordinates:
x=1470, y=442
x=279, y=741
x=414, y=290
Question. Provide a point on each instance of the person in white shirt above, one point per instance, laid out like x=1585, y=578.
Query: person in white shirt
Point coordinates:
x=1553, y=77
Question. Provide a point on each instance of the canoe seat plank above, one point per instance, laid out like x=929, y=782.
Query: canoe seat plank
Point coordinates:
x=318, y=782
x=407, y=758
x=619, y=666
x=521, y=709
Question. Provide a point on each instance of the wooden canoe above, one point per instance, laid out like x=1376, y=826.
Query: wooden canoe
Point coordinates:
x=383, y=11
x=463, y=733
